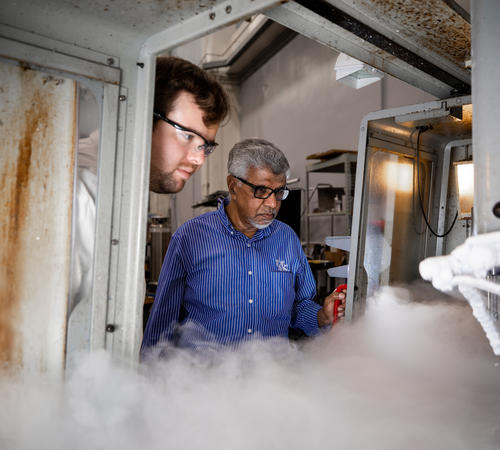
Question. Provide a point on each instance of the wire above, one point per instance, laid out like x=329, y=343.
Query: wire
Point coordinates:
x=414, y=195
x=421, y=130
x=413, y=205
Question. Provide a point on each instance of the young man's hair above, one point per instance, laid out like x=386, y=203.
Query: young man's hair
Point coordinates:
x=174, y=75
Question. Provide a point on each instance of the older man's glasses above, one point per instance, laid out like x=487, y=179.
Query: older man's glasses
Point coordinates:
x=208, y=146
x=264, y=192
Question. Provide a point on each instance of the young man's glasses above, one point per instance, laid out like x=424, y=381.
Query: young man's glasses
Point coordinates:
x=208, y=146
x=264, y=192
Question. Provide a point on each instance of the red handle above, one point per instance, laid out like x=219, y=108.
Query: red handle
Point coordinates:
x=337, y=303
x=341, y=288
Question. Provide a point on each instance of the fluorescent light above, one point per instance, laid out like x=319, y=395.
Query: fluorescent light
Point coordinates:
x=399, y=176
x=465, y=183
x=355, y=73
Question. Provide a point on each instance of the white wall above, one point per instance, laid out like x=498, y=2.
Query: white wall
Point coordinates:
x=295, y=102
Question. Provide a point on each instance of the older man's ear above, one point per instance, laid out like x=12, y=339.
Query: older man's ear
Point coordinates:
x=231, y=183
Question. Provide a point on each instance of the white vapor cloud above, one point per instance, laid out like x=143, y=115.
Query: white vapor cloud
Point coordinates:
x=415, y=372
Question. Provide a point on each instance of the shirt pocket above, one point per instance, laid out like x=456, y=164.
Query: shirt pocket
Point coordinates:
x=280, y=289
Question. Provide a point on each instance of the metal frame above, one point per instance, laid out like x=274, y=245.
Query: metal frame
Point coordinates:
x=359, y=213
x=308, y=23
x=445, y=174
x=103, y=81
x=127, y=99
x=485, y=16
x=128, y=193
x=132, y=182
x=359, y=12
x=102, y=249
x=344, y=161
x=107, y=97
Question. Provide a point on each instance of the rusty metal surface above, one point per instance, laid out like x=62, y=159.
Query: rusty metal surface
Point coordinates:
x=131, y=17
x=37, y=135
x=141, y=14
x=431, y=24
x=389, y=44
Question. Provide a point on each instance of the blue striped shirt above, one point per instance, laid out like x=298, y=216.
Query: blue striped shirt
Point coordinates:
x=230, y=287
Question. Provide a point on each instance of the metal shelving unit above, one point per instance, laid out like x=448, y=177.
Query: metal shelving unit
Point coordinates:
x=344, y=163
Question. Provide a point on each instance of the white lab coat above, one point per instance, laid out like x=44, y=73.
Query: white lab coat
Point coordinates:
x=84, y=215
x=80, y=302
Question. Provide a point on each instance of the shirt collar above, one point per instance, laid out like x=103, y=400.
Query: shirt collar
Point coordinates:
x=221, y=213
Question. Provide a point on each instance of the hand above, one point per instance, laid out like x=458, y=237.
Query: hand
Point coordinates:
x=325, y=314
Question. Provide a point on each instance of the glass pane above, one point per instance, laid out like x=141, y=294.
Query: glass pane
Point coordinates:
x=395, y=228
x=84, y=220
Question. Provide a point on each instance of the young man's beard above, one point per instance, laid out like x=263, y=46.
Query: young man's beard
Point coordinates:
x=165, y=183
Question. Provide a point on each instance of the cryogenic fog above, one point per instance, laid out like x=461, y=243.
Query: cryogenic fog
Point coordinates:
x=415, y=372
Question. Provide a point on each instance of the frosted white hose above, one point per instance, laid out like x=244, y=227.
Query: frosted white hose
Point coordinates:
x=478, y=283
x=467, y=267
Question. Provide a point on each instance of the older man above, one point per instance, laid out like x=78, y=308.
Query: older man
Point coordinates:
x=237, y=273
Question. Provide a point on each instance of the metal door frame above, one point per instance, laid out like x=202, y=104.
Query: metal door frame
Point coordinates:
x=52, y=57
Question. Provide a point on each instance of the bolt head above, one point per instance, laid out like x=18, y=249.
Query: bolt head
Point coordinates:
x=496, y=209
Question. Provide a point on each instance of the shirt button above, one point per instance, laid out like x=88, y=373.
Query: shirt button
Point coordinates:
x=249, y=330
x=249, y=245
x=250, y=301
x=249, y=272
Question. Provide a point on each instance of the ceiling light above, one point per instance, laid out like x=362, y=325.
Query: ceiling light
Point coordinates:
x=465, y=183
x=355, y=73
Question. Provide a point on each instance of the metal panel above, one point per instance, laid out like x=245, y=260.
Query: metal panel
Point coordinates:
x=102, y=80
x=18, y=35
x=38, y=132
x=486, y=93
x=404, y=66
x=197, y=25
x=431, y=29
x=104, y=211
x=53, y=60
x=87, y=323
x=125, y=21
x=357, y=216
x=443, y=196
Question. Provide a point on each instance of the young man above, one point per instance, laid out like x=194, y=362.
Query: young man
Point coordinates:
x=236, y=273
x=189, y=105
x=188, y=108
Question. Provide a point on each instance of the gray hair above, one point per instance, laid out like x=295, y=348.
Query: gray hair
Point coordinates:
x=257, y=153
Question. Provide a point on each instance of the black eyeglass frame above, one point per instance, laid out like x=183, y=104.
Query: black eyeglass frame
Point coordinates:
x=283, y=189
x=208, y=146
